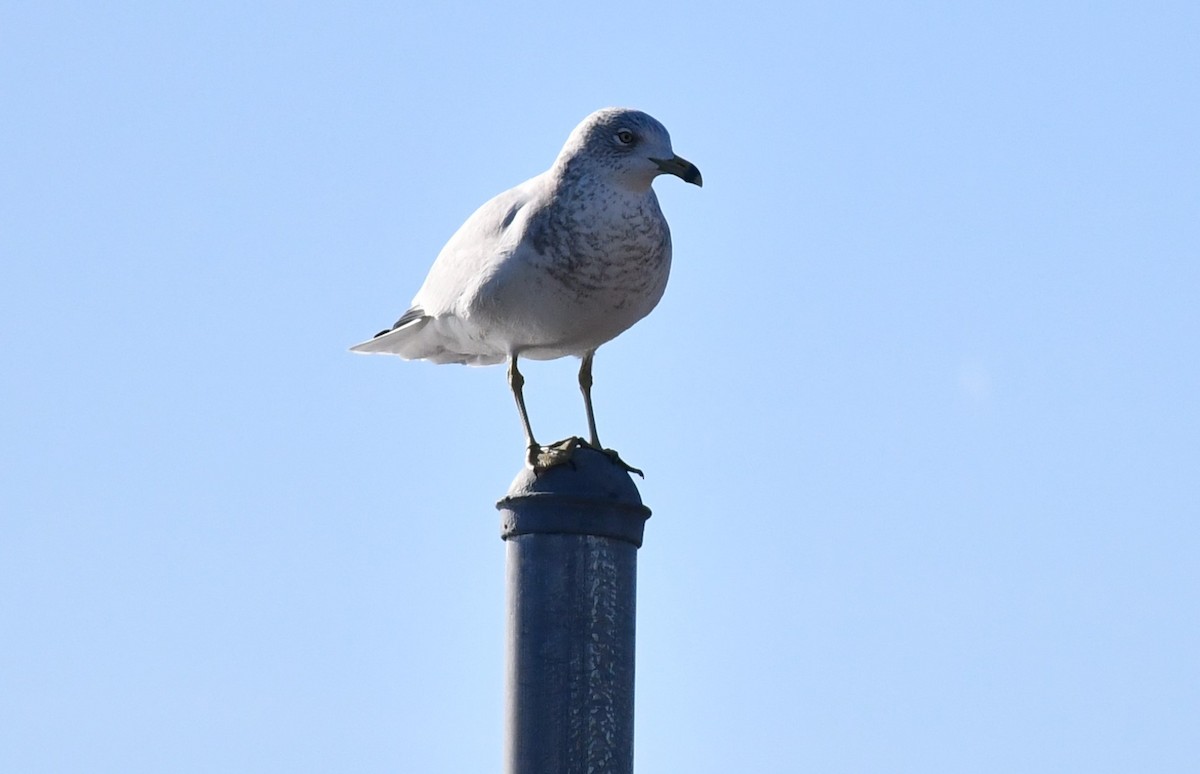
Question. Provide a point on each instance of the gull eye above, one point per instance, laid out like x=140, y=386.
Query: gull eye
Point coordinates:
x=625, y=137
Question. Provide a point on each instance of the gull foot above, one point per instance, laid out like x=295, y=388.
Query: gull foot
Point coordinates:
x=616, y=458
x=612, y=455
x=542, y=458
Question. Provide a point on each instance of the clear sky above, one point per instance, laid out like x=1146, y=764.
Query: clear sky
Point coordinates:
x=919, y=413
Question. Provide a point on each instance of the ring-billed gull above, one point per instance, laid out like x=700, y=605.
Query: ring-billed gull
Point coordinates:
x=557, y=266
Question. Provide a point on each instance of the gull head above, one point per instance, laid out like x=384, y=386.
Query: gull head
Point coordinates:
x=626, y=147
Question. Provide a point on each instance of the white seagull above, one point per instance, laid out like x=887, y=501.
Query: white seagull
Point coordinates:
x=557, y=266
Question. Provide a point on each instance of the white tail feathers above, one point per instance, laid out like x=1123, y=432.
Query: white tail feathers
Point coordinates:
x=402, y=341
x=430, y=338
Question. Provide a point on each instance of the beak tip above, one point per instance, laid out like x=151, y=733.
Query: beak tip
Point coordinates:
x=688, y=172
x=681, y=168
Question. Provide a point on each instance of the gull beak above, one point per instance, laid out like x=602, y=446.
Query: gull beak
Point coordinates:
x=681, y=168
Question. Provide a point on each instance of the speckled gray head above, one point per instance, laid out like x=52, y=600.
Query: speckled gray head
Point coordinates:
x=627, y=146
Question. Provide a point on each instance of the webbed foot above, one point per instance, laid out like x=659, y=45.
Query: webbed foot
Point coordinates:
x=616, y=458
x=542, y=458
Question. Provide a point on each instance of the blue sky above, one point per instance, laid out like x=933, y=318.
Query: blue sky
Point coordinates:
x=918, y=413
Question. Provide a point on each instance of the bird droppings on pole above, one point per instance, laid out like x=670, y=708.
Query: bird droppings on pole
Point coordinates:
x=572, y=535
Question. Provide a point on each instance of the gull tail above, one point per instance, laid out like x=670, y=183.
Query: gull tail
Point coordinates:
x=419, y=336
x=401, y=339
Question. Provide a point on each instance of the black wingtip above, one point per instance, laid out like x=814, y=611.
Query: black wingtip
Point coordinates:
x=415, y=313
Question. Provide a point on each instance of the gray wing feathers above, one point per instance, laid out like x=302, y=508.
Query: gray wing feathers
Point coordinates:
x=435, y=327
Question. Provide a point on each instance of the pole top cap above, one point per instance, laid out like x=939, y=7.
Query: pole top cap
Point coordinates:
x=590, y=495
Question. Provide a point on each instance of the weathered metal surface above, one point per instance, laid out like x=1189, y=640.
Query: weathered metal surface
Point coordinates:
x=572, y=536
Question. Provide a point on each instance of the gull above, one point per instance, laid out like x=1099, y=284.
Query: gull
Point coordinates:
x=555, y=267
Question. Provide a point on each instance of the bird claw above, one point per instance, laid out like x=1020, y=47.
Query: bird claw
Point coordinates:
x=616, y=458
x=542, y=458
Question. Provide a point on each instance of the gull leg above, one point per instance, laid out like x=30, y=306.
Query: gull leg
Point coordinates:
x=537, y=457
x=516, y=383
x=585, y=386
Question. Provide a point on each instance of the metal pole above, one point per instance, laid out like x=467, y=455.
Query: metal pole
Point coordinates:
x=572, y=535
